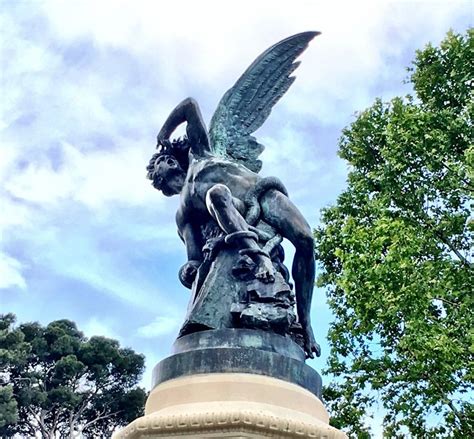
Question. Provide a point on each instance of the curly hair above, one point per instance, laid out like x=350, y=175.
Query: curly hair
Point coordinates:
x=178, y=148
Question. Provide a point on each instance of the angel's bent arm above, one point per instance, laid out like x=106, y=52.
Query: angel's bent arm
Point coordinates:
x=187, y=111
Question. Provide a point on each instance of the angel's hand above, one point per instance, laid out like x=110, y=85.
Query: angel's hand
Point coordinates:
x=163, y=140
x=188, y=272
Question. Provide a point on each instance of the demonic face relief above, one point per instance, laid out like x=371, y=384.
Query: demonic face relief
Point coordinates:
x=167, y=175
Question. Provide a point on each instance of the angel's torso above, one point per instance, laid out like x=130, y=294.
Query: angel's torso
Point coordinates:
x=204, y=174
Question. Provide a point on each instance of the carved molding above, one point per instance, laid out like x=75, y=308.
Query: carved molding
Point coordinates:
x=225, y=422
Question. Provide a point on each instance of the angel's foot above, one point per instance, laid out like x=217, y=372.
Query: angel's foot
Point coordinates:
x=310, y=346
x=213, y=247
x=264, y=270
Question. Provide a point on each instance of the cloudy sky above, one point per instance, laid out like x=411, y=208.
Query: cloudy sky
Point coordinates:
x=85, y=87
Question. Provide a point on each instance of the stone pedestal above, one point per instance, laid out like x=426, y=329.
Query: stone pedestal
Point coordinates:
x=233, y=384
x=231, y=405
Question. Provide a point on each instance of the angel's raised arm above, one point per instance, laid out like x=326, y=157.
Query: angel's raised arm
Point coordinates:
x=187, y=111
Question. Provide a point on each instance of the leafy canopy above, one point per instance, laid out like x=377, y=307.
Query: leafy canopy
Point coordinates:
x=56, y=381
x=396, y=256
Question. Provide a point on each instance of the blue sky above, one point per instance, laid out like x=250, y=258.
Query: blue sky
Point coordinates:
x=85, y=87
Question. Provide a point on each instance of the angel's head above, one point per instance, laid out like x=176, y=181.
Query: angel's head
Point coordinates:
x=167, y=168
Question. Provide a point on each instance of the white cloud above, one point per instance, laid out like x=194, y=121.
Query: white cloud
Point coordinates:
x=93, y=178
x=199, y=50
x=101, y=327
x=14, y=215
x=202, y=47
x=161, y=325
x=39, y=183
x=11, y=272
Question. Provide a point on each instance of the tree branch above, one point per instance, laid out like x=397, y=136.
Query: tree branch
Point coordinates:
x=428, y=222
x=101, y=416
x=441, y=391
x=466, y=182
x=453, y=249
x=449, y=302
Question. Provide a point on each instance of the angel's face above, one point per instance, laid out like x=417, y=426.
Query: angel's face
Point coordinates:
x=168, y=176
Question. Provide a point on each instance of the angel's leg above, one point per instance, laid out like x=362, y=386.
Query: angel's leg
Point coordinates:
x=222, y=207
x=281, y=213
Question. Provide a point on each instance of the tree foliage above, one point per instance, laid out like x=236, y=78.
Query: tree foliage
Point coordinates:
x=396, y=256
x=57, y=382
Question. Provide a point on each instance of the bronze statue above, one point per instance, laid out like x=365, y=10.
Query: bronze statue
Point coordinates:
x=231, y=220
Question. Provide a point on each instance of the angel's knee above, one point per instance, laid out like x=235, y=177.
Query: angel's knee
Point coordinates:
x=218, y=196
x=300, y=234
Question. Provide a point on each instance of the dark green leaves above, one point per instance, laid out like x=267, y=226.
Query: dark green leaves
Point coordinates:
x=54, y=380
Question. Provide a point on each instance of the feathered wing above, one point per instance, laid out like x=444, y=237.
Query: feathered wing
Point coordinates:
x=245, y=107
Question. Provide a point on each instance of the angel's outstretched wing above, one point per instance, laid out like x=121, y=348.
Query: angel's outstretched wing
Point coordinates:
x=245, y=107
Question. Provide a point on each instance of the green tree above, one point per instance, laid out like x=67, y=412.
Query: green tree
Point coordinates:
x=57, y=382
x=8, y=407
x=396, y=256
